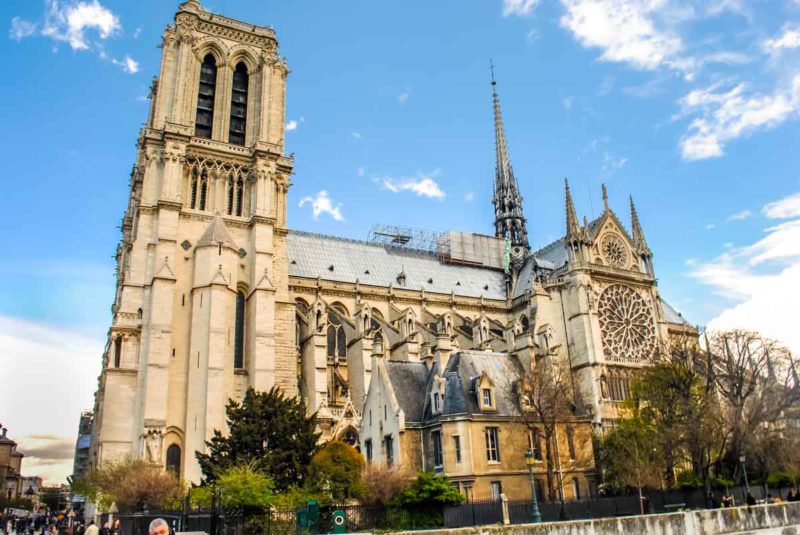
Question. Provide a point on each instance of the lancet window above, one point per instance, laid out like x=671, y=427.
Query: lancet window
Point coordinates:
x=336, y=338
x=199, y=187
x=238, y=350
x=238, y=124
x=205, y=97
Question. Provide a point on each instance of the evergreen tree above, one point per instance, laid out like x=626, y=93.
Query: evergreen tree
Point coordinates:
x=269, y=430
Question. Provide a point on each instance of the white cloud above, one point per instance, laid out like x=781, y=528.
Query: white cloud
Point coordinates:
x=728, y=115
x=518, y=7
x=71, y=22
x=423, y=185
x=790, y=38
x=47, y=364
x=322, y=204
x=757, y=278
x=21, y=28
x=727, y=57
x=611, y=164
x=137, y=32
x=626, y=31
x=567, y=102
x=83, y=25
x=470, y=196
x=710, y=226
x=360, y=171
x=532, y=36
x=403, y=97
x=741, y=215
x=128, y=64
x=291, y=125
x=356, y=135
x=784, y=208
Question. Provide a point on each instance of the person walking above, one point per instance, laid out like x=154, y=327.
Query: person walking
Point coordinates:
x=750, y=499
x=793, y=496
x=92, y=529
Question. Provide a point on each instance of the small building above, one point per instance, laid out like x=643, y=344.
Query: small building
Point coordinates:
x=461, y=417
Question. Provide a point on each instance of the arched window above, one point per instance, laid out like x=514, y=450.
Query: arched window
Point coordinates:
x=235, y=194
x=239, y=105
x=238, y=349
x=205, y=97
x=525, y=324
x=336, y=338
x=199, y=189
x=174, y=459
x=377, y=343
x=117, y=351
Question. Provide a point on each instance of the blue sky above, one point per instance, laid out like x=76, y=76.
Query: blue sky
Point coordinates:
x=691, y=107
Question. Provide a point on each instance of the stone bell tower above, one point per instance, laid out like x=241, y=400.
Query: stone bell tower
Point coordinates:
x=202, y=310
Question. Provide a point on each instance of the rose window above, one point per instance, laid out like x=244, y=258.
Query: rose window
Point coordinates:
x=614, y=251
x=626, y=324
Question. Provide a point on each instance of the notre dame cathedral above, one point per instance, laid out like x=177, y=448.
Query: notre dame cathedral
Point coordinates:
x=215, y=294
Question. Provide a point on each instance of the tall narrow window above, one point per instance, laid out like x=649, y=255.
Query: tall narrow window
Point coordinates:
x=457, y=447
x=571, y=443
x=231, y=195
x=239, y=105
x=205, y=97
x=492, y=445
x=388, y=446
x=337, y=340
x=368, y=449
x=117, y=351
x=239, y=196
x=438, y=457
x=238, y=350
x=174, y=459
x=203, y=190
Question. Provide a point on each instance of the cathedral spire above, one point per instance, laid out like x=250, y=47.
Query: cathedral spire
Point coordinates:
x=509, y=222
x=573, y=226
x=638, y=233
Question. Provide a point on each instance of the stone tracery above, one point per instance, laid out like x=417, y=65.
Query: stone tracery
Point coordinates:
x=626, y=324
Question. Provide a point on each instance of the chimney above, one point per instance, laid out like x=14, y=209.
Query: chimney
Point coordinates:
x=444, y=347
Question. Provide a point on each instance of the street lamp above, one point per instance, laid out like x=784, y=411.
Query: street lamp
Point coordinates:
x=744, y=471
x=530, y=461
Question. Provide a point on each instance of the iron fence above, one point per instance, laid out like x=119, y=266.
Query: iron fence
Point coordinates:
x=218, y=521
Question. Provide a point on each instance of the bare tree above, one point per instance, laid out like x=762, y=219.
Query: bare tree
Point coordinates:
x=544, y=394
x=757, y=382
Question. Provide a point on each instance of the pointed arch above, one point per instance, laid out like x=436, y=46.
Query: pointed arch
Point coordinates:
x=206, y=94
x=239, y=94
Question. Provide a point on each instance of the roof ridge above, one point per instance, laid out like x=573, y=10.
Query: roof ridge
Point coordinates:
x=417, y=252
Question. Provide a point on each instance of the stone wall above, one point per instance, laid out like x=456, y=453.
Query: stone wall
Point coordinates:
x=779, y=518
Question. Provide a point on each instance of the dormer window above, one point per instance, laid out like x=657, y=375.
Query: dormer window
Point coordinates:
x=437, y=402
x=483, y=390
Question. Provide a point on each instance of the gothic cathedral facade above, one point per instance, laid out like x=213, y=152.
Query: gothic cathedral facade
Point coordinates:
x=215, y=294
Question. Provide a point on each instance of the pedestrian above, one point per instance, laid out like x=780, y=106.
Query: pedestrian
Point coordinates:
x=92, y=529
x=770, y=499
x=116, y=529
x=158, y=526
x=727, y=500
x=792, y=496
x=750, y=500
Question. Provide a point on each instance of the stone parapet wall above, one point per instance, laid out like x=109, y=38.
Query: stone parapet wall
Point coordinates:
x=778, y=518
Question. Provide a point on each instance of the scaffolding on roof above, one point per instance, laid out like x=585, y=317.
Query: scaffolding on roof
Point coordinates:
x=450, y=247
x=407, y=238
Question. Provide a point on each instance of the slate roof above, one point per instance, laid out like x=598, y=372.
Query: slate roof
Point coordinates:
x=461, y=374
x=671, y=315
x=409, y=381
x=312, y=255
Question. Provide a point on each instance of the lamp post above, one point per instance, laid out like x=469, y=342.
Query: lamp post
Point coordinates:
x=530, y=461
x=742, y=459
